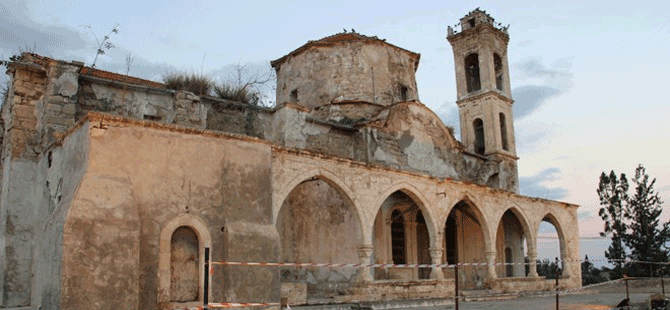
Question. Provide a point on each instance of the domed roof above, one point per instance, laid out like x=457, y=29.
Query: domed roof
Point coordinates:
x=343, y=38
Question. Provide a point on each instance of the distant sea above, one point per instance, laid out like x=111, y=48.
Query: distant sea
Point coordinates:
x=594, y=248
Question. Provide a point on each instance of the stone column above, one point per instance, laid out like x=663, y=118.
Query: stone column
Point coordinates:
x=532, y=267
x=436, y=257
x=491, y=268
x=364, y=252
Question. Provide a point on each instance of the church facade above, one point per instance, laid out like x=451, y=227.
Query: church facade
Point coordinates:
x=113, y=187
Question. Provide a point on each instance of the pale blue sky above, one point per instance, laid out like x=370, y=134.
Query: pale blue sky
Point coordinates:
x=589, y=78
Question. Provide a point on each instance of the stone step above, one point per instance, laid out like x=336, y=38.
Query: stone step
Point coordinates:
x=382, y=305
x=486, y=295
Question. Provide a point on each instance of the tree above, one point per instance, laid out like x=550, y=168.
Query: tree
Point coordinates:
x=103, y=44
x=613, y=194
x=647, y=238
x=548, y=268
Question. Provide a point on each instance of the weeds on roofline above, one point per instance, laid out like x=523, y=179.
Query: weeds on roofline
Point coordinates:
x=197, y=83
x=239, y=93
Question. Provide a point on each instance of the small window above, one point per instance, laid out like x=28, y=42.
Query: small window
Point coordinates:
x=294, y=96
x=472, y=73
x=398, y=238
x=152, y=118
x=497, y=65
x=478, y=125
x=471, y=22
x=503, y=132
x=403, y=93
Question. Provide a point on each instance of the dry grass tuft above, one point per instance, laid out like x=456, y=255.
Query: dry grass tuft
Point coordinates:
x=240, y=93
x=199, y=84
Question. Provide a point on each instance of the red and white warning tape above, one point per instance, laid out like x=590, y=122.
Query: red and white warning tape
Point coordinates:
x=344, y=265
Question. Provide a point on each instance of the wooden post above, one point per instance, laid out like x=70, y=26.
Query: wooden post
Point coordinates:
x=205, y=294
x=456, y=278
x=663, y=285
x=627, y=296
x=284, y=303
x=557, y=275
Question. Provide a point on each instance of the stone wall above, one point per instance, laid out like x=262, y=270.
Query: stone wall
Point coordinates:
x=349, y=71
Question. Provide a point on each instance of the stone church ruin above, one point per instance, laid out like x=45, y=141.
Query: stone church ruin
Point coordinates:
x=113, y=186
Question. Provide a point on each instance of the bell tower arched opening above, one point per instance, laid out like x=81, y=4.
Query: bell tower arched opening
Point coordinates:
x=472, y=73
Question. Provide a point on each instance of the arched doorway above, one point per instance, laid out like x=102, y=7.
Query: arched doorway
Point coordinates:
x=464, y=243
x=318, y=223
x=511, y=246
x=401, y=237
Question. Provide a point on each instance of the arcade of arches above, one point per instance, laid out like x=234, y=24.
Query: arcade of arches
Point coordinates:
x=383, y=217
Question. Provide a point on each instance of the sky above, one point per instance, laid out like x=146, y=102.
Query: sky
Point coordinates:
x=588, y=77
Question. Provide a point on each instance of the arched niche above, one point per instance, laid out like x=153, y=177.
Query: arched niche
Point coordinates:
x=318, y=222
x=175, y=235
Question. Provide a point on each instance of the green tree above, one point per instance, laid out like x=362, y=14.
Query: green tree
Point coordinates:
x=613, y=194
x=647, y=238
x=548, y=268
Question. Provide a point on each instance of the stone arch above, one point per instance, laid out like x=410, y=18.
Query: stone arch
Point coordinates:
x=550, y=217
x=421, y=202
x=517, y=254
x=332, y=180
x=403, y=205
x=523, y=219
x=472, y=73
x=475, y=203
x=468, y=239
x=317, y=220
x=164, y=257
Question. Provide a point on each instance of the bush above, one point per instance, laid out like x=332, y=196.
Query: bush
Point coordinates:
x=199, y=84
x=239, y=93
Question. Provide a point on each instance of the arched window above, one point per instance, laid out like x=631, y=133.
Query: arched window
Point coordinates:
x=478, y=125
x=503, y=132
x=398, y=238
x=498, y=67
x=184, y=269
x=472, y=72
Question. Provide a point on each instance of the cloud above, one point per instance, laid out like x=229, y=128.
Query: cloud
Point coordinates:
x=18, y=30
x=532, y=185
x=555, y=80
x=528, y=98
x=448, y=113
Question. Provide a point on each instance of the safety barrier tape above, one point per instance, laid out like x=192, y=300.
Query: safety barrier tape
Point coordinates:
x=343, y=265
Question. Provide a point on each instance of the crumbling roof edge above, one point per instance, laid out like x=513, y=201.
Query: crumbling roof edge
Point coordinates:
x=328, y=41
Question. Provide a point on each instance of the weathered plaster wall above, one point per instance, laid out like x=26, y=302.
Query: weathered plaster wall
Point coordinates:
x=20, y=153
x=60, y=172
x=235, y=117
x=167, y=106
x=112, y=239
x=348, y=71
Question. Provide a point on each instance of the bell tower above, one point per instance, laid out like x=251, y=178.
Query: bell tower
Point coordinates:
x=482, y=81
x=485, y=96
